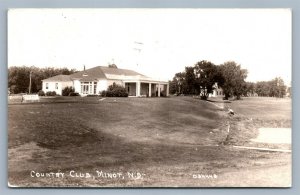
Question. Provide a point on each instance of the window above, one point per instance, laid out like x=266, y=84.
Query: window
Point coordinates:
x=89, y=87
x=85, y=88
x=95, y=87
x=47, y=85
x=56, y=85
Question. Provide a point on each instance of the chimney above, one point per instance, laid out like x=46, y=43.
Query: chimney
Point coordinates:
x=83, y=67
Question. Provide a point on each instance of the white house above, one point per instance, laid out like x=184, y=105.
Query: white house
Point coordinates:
x=94, y=80
x=217, y=91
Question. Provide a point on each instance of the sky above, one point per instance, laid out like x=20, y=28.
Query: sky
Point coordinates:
x=154, y=42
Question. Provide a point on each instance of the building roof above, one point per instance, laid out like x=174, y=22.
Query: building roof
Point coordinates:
x=98, y=72
x=119, y=71
x=89, y=74
x=59, y=78
x=103, y=72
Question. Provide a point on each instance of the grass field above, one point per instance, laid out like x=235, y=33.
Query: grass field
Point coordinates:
x=252, y=113
x=169, y=141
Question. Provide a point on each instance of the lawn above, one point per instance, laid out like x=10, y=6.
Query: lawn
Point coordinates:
x=266, y=109
x=169, y=141
x=252, y=113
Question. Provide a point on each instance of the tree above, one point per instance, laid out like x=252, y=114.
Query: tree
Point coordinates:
x=178, y=83
x=173, y=86
x=18, y=77
x=202, y=77
x=206, y=76
x=278, y=89
x=272, y=88
x=262, y=88
x=234, y=79
x=189, y=81
x=282, y=88
x=248, y=89
x=112, y=66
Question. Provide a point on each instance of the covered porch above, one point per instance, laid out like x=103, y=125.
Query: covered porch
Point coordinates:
x=147, y=88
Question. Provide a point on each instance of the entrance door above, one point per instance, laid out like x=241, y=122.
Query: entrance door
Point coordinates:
x=85, y=87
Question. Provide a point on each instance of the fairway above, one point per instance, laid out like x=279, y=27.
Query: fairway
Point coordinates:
x=169, y=141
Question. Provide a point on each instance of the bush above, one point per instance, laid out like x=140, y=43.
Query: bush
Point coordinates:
x=73, y=94
x=163, y=93
x=67, y=90
x=103, y=93
x=92, y=95
x=50, y=93
x=203, y=97
x=41, y=93
x=115, y=90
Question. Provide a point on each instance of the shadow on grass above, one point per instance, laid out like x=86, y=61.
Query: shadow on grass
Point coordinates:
x=219, y=101
x=85, y=148
x=88, y=147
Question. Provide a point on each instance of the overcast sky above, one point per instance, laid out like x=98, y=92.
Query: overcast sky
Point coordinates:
x=155, y=42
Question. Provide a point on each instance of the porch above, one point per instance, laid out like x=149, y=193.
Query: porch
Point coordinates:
x=147, y=89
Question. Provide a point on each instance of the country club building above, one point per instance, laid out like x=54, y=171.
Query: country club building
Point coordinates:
x=94, y=80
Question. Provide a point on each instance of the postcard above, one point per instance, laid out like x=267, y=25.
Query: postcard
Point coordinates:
x=149, y=98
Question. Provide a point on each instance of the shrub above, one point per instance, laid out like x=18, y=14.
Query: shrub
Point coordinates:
x=92, y=95
x=41, y=93
x=67, y=90
x=103, y=93
x=203, y=97
x=163, y=93
x=115, y=90
x=73, y=94
x=50, y=93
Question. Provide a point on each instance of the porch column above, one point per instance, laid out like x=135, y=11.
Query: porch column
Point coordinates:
x=149, y=89
x=167, y=90
x=138, y=89
x=158, y=90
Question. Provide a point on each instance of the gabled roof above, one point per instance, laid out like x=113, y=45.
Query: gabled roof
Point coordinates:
x=119, y=71
x=98, y=72
x=59, y=78
x=102, y=72
x=89, y=74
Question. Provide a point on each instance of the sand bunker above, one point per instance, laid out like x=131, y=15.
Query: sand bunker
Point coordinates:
x=274, y=136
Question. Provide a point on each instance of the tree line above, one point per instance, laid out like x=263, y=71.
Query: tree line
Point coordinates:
x=272, y=88
x=201, y=78
x=18, y=77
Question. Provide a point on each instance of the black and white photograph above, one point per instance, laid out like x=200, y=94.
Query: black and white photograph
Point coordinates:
x=149, y=97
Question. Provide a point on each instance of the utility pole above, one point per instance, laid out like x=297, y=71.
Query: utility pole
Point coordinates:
x=30, y=81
